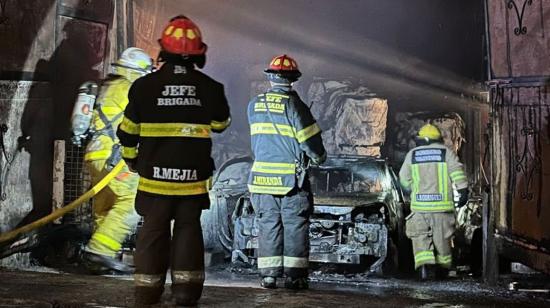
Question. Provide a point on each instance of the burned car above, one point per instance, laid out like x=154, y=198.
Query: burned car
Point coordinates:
x=358, y=214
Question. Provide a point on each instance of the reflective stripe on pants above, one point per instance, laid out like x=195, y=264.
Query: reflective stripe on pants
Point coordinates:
x=115, y=217
x=284, y=233
x=183, y=252
x=431, y=235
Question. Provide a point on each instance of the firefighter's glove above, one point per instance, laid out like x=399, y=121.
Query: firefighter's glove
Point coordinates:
x=131, y=165
x=320, y=160
x=463, y=199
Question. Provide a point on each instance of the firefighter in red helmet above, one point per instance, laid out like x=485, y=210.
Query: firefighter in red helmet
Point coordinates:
x=285, y=138
x=165, y=135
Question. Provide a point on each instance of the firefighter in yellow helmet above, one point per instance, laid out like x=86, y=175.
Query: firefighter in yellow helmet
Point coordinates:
x=114, y=214
x=431, y=171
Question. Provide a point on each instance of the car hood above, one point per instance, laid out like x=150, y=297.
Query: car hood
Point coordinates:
x=349, y=199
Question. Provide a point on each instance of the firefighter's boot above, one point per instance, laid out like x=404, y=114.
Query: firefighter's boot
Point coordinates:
x=426, y=272
x=186, y=295
x=100, y=264
x=268, y=282
x=147, y=296
x=296, y=283
x=441, y=273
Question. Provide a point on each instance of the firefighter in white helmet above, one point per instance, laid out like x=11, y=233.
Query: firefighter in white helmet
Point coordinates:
x=114, y=213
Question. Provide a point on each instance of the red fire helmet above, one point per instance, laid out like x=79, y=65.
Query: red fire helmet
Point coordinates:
x=282, y=64
x=182, y=36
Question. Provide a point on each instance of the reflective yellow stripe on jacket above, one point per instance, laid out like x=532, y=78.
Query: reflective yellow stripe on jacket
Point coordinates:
x=129, y=153
x=444, y=205
x=173, y=188
x=307, y=132
x=458, y=175
x=174, y=130
x=269, y=129
x=274, y=168
x=272, y=190
x=171, y=129
x=129, y=126
x=285, y=130
x=97, y=155
x=216, y=125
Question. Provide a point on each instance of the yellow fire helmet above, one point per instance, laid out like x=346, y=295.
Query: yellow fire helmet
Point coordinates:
x=429, y=131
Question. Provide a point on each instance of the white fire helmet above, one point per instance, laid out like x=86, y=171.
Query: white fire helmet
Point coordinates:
x=133, y=63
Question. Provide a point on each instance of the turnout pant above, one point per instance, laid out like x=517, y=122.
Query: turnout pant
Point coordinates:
x=431, y=235
x=157, y=249
x=284, y=233
x=114, y=213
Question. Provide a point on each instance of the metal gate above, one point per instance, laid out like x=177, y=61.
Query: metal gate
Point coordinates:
x=521, y=170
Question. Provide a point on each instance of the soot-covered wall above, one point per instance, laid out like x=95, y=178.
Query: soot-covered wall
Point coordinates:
x=49, y=47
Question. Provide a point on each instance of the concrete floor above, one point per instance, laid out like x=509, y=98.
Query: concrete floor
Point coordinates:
x=225, y=289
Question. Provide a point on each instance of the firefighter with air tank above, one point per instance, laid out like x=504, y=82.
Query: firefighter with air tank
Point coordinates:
x=430, y=171
x=285, y=138
x=113, y=207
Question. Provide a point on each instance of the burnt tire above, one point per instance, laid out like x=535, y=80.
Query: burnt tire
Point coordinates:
x=217, y=229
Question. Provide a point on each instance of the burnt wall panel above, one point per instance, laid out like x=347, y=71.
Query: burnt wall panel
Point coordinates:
x=147, y=25
x=27, y=32
x=24, y=106
x=79, y=57
x=16, y=172
x=49, y=47
x=96, y=10
x=518, y=31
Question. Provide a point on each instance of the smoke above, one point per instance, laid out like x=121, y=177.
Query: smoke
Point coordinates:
x=420, y=55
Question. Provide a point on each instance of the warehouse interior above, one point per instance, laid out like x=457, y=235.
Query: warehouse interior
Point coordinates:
x=373, y=73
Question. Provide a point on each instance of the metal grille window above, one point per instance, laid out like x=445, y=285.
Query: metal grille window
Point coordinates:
x=77, y=182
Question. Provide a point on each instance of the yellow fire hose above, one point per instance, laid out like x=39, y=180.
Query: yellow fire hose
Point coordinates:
x=4, y=237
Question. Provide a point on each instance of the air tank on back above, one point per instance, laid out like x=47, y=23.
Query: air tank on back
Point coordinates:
x=81, y=117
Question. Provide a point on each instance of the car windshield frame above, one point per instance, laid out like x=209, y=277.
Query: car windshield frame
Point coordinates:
x=356, y=166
